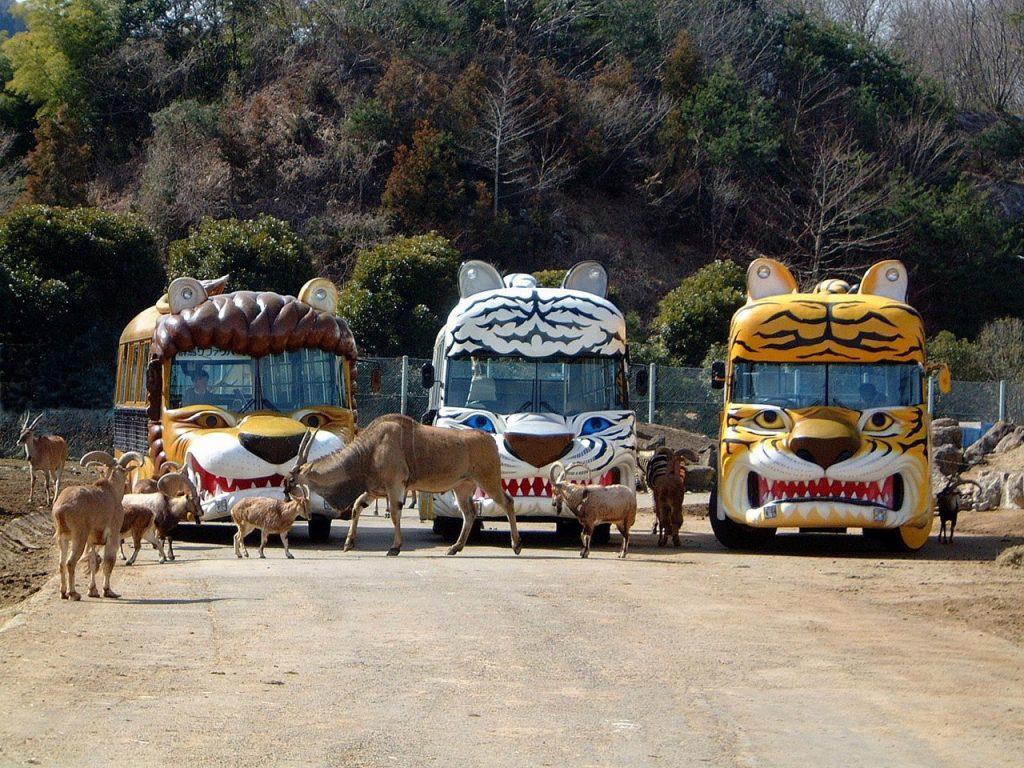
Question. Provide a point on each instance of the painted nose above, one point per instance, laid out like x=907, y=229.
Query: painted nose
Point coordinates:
x=538, y=450
x=824, y=441
x=275, y=439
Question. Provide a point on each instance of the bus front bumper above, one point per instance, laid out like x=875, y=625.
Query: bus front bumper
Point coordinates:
x=815, y=514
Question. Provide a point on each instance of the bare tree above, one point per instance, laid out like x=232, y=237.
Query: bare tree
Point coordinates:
x=828, y=209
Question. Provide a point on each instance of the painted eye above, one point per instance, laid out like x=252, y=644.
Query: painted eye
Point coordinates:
x=595, y=424
x=209, y=420
x=879, y=421
x=481, y=422
x=768, y=420
x=314, y=420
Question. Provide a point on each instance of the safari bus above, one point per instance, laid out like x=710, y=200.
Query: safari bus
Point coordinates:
x=825, y=425
x=543, y=370
x=225, y=384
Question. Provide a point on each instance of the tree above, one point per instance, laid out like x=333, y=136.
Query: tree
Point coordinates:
x=697, y=313
x=400, y=294
x=262, y=254
x=424, y=190
x=74, y=278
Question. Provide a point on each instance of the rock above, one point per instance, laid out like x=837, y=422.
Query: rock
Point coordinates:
x=1013, y=490
x=988, y=441
x=947, y=459
x=991, y=491
x=1011, y=440
x=699, y=478
x=945, y=422
x=946, y=434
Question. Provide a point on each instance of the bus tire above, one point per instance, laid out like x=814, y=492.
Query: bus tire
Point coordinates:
x=319, y=529
x=568, y=530
x=733, y=535
x=448, y=528
x=903, y=539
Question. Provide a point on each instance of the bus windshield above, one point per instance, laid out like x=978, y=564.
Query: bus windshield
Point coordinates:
x=565, y=386
x=240, y=383
x=856, y=386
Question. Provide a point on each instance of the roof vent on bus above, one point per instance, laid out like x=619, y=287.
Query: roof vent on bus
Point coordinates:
x=520, y=280
x=477, y=276
x=832, y=286
x=588, y=277
x=320, y=293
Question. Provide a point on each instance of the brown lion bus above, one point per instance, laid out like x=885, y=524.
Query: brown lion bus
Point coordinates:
x=224, y=384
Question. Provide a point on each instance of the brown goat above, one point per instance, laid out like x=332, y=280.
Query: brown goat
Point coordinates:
x=270, y=516
x=154, y=516
x=90, y=516
x=948, y=501
x=44, y=454
x=396, y=454
x=667, y=480
x=595, y=504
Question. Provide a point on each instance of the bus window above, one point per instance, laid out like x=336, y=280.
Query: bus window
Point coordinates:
x=140, y=384
x=122, y=374
x=213, y=377
x=133, y=373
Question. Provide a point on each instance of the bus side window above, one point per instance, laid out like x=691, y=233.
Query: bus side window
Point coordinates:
x=133, y=372
x=122, y=372
x=140, y=392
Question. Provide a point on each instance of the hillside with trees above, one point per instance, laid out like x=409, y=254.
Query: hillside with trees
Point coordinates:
x=669, y=139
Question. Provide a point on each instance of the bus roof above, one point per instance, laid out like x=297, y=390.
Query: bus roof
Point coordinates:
x=827, y=328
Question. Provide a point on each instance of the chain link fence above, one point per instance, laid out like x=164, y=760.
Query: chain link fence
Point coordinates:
x=390, y=385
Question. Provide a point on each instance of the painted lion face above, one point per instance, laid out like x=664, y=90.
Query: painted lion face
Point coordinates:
x=825, y=466
x=230, y=456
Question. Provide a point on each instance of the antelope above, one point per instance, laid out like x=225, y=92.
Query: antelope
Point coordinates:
x=44, y=454
x=396, y=454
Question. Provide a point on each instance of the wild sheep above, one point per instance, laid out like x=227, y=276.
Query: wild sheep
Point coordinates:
x=948, y=500
x=149, y=484
x=44, y=454
x=270, y=516
x=666, y=476
x=396, y=454
x=91, y=515
x=154, y=516
x=595, y=504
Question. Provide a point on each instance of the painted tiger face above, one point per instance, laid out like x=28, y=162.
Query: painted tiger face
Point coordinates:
x=825, y=466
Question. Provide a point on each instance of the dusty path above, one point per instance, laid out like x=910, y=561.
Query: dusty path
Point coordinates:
x=825, y=653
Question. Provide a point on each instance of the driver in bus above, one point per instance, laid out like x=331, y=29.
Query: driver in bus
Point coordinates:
x=199, y=394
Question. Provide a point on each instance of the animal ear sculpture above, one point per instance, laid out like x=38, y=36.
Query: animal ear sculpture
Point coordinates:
x=320, y=293
x=588, y=277
x=886, y=278
x=767, y=277
x=478, y=276
x=185, y=293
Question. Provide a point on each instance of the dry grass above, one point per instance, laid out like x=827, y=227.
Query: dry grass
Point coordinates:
x=1012, y=557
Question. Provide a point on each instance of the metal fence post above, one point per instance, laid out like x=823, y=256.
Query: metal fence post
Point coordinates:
x=405, y=381
x=931, y=394
x=1002, y=399
x=652, y=386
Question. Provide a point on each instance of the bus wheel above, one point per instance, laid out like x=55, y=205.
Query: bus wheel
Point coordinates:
x=601, y=536
x=569, y=530
x=448, y=528
x=904, y=539
x=319, y=529
x=733, y=535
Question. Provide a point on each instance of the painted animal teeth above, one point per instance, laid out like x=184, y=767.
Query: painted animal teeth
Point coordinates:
x=870, y=492
x=210, y=484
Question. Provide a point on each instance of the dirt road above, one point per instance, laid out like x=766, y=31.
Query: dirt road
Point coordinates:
x=824, y=653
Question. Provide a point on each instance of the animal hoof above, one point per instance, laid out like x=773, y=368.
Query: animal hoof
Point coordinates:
x=111, y=594
x=171, y=557
x=262, y=556
x=94, y=593
x=583, y=554
x=394, y=551
x=74, y=596
x=453, y=551
x=349, y=546
x=246, y=554
x=677, y=542
x=63, y=595
x=289, y=555
x=237, y=554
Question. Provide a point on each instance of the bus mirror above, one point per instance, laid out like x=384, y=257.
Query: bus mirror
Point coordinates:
x=642, y=382
x=375, y=381
x=427, y=375
x=945, y=379
x=717, y=374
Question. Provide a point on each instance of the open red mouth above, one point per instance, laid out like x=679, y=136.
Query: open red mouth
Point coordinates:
x=887, y=493
x=210, y=484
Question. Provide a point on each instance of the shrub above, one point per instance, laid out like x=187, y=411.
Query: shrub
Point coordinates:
x=960, y=355
x=261, y=254
x=73, y=279
x=400, y=294
x=697, y=313
x=424, y=190
x=550, y=278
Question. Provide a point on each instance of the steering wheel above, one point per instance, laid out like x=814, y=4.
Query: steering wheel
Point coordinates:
x=245, y=405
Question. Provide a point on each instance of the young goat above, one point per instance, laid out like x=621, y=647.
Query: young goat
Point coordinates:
x=270, y=516
x=44, y=454
x=90, y=516
x=948, y=500
x=154, y=516
x=666, y=477
x=595, y=504
x=149, y=484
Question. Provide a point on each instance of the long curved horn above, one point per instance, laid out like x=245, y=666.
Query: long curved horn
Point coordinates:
x=556, y=467
x=28, y=415
x=172, y=484
x=101, y=457
x=305, y=446
x=968, y=482
x=33, y=424
x=169, y=466
x=571, y=467
x=130, y=456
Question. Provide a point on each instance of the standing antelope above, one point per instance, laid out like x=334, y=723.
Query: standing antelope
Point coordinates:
x=44, y=454
x=396, y=454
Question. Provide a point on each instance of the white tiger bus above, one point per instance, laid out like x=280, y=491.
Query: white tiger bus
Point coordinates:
x=225, y=385
x=545, y=371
